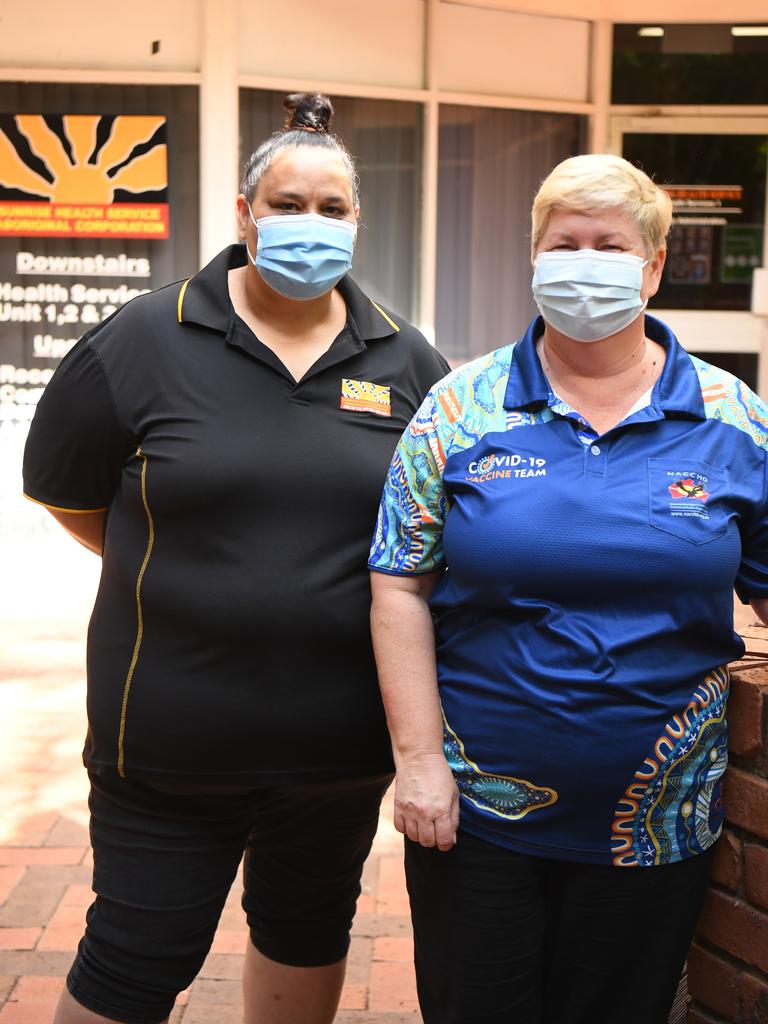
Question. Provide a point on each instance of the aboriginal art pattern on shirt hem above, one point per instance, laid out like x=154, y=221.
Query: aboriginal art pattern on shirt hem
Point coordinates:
x=503, y=795
x=673, y=807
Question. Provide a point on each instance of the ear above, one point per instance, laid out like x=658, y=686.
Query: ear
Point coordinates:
x=652, y=274
x=242, y=212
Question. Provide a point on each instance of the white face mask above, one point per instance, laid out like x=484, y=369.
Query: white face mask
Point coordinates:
x=588, y=295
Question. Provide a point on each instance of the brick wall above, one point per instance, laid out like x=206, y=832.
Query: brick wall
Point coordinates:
x=728, y=965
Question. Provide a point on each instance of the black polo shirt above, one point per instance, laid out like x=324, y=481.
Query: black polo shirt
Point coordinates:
x=229, y=640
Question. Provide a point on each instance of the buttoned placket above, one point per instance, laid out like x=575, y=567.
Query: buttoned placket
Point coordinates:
x=346, y=344
x=595, y=447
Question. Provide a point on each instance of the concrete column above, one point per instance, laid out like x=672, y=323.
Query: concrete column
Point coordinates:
x=600, y=84
x=219, y=128
x=429, y=176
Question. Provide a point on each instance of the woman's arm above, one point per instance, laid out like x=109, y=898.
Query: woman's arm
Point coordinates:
x=86, y=527
x=760, y=608
x=426, y=797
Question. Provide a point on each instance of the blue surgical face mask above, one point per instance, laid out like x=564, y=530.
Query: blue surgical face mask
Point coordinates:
x=588, y=295
x=302, y=255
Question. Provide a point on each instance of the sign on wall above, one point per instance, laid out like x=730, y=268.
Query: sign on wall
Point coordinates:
x=91, y=178
x=83, y=176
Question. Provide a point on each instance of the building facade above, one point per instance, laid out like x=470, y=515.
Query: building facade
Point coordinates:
x=121, y=140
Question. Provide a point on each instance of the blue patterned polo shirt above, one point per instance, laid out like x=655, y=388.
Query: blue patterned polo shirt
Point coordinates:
x=584, y=621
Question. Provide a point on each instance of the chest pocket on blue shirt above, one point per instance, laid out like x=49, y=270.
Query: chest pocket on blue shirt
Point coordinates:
x=688, y=499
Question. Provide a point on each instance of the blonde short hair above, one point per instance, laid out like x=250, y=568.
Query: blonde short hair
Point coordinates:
x=600, y=181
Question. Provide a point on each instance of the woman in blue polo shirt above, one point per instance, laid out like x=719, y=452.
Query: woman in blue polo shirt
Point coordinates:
x=573, y=512
x=223, y=442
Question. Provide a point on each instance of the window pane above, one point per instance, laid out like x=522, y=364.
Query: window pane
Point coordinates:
x=80, y=279
x=385, y=139
x=491, y=165
x=690, y=64
x=717, y=235
x=741, y=364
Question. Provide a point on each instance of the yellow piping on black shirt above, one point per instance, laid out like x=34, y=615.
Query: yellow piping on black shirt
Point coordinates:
x=69, y=511
x=389, y=319
x=181, y=300
x=139, y=616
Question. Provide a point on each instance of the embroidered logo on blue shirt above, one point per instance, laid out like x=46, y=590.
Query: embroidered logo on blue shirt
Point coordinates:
x=495, y=466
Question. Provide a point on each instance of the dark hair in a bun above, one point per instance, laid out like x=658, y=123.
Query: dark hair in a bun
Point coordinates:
x=308, y=117
x=308, y=110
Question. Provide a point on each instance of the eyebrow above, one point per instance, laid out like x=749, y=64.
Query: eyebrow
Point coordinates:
x=567, y=236
x=300, y=197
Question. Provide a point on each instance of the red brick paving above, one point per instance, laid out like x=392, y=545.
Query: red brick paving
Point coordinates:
x=45, y=861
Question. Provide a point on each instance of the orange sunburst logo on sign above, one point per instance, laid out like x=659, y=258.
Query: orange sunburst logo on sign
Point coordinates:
x=77, y=175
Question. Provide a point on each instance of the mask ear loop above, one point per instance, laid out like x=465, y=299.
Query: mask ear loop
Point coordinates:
x=253, y=221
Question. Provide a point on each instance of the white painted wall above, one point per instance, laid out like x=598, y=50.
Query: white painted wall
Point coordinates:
x=526, y=48
x=361, y=41
x=508, y=54
x=714, y=331
x=646, y=11
x=100, y=34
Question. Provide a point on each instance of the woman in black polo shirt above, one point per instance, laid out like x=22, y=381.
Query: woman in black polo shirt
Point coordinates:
x=223, y=442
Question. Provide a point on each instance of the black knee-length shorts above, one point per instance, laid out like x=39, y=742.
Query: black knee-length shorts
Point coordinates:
x=164, y=862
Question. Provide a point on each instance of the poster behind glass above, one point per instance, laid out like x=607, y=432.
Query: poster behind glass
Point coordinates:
x=717, y=184
x=98, y=203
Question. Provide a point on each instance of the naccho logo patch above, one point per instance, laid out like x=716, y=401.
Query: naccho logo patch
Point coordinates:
x=689, y=494
x=689, y=488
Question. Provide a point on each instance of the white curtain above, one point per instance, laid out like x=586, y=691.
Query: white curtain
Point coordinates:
x=491, y=165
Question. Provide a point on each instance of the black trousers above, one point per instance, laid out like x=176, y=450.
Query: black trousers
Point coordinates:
x=503, y=938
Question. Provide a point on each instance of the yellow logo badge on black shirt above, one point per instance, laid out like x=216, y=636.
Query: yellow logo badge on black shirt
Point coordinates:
x=363, y=396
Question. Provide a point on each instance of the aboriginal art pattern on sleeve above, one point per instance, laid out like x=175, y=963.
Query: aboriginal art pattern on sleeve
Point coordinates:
x=454, y=416
x=502, y=795
x=673, y=807
x=728, y=399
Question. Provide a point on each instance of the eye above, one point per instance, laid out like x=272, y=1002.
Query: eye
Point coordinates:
x=334, y=211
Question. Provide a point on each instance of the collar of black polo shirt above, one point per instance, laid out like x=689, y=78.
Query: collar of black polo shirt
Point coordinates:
x=204, y=300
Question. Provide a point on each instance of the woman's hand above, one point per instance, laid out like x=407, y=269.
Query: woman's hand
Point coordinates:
x=427, y=801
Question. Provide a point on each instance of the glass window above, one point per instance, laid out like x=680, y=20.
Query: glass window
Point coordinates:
x=717, y=184
x=672, y=64
x=92, y=155
x=491, y=165
x=385, y=138
x=741, y=364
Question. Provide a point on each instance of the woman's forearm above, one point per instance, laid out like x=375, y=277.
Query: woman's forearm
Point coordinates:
x=404, y=644
x=85, y=527
x=426, y=798
x=760, y=608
